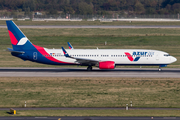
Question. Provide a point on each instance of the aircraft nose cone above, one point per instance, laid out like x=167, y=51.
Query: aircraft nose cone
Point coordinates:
x=173, y=59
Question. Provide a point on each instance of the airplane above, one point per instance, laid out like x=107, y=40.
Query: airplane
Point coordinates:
x=101, y=58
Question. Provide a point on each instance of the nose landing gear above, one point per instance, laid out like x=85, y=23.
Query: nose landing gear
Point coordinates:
x=159, y=69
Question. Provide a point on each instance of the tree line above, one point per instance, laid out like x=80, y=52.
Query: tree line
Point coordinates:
x=93, y=7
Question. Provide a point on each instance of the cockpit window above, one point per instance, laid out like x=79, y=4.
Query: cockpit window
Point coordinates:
x=166, y=55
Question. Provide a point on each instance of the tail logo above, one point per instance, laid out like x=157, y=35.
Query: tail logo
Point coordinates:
x=22, y=41
x=14, y=41
x=129, y=56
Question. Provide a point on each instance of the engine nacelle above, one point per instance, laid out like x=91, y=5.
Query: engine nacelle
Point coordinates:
x=107, y=65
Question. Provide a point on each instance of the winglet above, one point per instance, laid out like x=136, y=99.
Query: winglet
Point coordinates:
x=65, y=53
x=70, y=46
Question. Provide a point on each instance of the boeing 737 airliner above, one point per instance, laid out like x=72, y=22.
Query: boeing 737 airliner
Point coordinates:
x=102, y=58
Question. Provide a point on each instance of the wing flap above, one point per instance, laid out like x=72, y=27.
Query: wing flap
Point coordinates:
x=84, y=60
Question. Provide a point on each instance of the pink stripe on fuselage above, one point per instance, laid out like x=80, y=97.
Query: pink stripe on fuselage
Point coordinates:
x=43, y=52
x=14, y=41
x=129, y=56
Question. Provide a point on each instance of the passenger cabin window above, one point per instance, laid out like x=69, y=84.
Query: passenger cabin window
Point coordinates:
x=166, y=55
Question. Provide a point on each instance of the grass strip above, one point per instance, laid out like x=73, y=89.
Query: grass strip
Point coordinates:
x=167, y=40
x=95, y=32
x=88, y=92
x=145, y=113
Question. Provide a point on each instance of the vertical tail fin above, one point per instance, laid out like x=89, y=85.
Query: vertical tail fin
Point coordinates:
x=18, y=39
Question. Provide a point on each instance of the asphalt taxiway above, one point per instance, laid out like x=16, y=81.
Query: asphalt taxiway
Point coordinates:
x=95, y=26
x=81, y=72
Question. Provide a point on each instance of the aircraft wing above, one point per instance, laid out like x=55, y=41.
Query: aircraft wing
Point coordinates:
x=86, y=61
x=83, y=61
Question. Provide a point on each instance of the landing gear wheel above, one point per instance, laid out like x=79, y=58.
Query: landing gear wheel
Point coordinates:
x=89, y=68
x=159, y=69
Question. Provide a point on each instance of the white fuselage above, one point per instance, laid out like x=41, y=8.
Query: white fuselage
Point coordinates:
x=119, y=56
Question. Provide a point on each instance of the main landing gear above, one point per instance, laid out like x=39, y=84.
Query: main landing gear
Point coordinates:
x=159, y=69
x=89, y=68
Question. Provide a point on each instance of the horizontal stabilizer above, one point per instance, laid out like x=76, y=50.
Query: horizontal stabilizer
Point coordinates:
x=13, y=51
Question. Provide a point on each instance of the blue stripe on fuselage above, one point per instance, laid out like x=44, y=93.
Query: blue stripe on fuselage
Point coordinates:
x=136, y=59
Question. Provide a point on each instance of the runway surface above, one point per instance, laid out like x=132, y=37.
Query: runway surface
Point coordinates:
x=89, y=118
x=94, y=26
x=81, y=72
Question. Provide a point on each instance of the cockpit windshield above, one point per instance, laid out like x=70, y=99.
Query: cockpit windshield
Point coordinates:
x=166, y=55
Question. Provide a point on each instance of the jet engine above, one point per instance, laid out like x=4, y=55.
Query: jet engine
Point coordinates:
x=106, y=65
